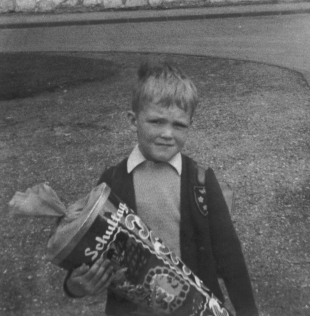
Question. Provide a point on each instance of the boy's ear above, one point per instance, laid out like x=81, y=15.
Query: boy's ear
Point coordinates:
x=132, y=120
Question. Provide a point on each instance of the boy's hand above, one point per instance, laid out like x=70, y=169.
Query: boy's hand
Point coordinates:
x=92, y=280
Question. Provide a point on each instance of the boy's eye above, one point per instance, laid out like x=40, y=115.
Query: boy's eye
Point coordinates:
x=156, y=122
x=162, y=122
x=181, y=126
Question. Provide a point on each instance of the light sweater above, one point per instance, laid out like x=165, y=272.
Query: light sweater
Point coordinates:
x=158, y=200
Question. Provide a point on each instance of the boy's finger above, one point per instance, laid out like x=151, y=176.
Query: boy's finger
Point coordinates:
x=80, y=270
x=103, y=274
x=97, y=268
x=105, y=280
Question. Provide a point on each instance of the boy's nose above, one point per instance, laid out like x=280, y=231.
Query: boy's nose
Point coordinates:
x=167, y=133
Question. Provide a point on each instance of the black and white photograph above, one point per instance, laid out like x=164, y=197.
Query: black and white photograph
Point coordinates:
x=155, y=157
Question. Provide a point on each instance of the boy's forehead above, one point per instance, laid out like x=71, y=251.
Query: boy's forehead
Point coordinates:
x=160, y=111
x=159, y=108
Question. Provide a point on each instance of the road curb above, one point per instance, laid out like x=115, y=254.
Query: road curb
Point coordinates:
x=140, y=16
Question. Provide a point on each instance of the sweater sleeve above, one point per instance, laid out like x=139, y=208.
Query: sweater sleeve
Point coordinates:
x=227, y=250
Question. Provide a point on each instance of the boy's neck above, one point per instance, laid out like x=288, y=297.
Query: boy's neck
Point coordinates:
x=136, y=157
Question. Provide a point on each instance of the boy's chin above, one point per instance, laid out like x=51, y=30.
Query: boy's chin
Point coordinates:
x=160, y=154
x=161, y=158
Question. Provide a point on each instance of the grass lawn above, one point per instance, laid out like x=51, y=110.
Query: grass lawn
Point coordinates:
x=63, y=117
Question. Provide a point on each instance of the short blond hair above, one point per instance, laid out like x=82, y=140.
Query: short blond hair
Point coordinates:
x=165, y=85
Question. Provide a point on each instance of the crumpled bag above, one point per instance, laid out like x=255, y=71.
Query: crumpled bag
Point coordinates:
x=42, y=201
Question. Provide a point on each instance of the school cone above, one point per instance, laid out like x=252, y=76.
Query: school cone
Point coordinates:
x=102, y=225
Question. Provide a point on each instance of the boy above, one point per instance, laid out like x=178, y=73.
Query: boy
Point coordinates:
x=161, y=184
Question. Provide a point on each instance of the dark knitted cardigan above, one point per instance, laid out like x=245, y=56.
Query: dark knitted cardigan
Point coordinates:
x=209, y=244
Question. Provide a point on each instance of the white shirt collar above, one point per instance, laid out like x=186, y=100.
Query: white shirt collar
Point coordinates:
x=136, y=158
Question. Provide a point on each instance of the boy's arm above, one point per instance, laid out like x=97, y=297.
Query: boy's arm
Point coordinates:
x=76, y=284
x=227, y=250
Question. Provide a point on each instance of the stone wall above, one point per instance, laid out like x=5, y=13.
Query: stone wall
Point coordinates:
x=32, y=6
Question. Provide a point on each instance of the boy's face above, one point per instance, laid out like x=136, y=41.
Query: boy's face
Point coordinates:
x=162, y=132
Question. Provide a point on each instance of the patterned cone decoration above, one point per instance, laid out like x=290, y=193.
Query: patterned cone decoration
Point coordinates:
x=155, y=277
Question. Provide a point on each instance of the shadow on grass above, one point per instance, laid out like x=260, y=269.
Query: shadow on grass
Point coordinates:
x=27, y=74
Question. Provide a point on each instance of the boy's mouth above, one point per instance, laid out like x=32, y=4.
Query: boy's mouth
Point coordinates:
x=165, y=145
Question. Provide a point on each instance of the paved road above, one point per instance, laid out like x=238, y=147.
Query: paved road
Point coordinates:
x=277, y=39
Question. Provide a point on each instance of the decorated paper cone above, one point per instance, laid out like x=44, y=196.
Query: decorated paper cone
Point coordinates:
x=155, y=277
